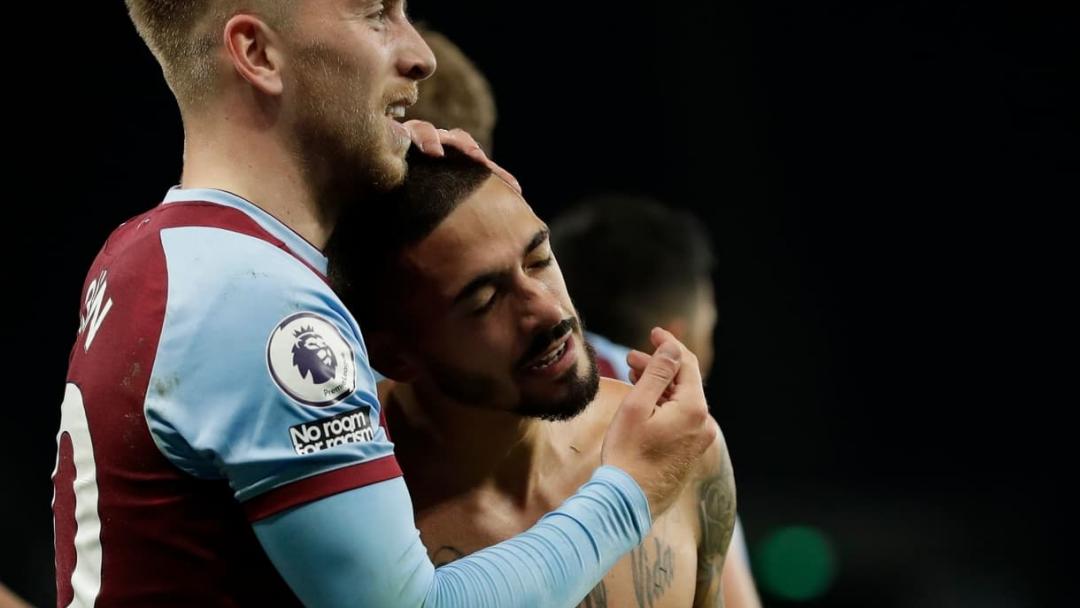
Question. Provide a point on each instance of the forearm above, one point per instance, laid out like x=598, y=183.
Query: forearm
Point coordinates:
x=379, y=561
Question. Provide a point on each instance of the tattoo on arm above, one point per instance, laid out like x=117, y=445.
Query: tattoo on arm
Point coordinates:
x=652, y=575
x=597, y=598
x=717, y=512
x=716, y=509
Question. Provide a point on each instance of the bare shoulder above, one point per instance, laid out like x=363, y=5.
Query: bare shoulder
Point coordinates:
x=614, y=389
x=715, y=461
x=607, y=401
x=585, y=433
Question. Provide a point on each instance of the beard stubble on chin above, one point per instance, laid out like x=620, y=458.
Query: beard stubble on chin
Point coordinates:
x=480, y=390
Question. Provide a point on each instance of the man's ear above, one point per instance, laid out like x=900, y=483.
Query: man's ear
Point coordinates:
x=254, y=50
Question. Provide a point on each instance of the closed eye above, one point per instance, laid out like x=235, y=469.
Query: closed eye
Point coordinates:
x=486, y=306
x=544, y=263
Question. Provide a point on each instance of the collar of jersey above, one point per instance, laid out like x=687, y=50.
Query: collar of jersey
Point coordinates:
x=298, y=244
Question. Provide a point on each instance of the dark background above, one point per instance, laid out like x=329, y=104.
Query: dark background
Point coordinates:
x=885, y=183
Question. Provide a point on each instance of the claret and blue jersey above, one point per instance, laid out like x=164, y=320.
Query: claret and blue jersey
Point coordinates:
x=212, y=360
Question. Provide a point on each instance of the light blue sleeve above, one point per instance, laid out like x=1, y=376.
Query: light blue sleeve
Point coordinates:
x=261, y=376
x=331, y=555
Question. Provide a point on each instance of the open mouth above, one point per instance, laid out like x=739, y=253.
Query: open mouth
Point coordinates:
x=553, y=362
x=551, y=358
x=395, y=116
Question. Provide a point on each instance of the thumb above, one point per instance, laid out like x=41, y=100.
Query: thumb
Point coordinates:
x=657, y=376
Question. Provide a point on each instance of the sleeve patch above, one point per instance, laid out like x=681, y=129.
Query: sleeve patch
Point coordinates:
x=354, y=426
x=310, y=361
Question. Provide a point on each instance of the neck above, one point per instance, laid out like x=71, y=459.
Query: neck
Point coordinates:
x=246, y=155
x=477, y=448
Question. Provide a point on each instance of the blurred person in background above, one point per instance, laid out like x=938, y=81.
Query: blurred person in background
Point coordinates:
x=457, y=95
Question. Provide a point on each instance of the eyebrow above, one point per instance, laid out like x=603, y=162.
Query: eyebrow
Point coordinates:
x=497, y=276
x=537, y=240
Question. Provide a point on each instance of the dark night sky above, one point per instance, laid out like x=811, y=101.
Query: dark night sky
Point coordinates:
x=884, y=183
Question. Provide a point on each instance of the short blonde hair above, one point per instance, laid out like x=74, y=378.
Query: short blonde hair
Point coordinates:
x=182, y=35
